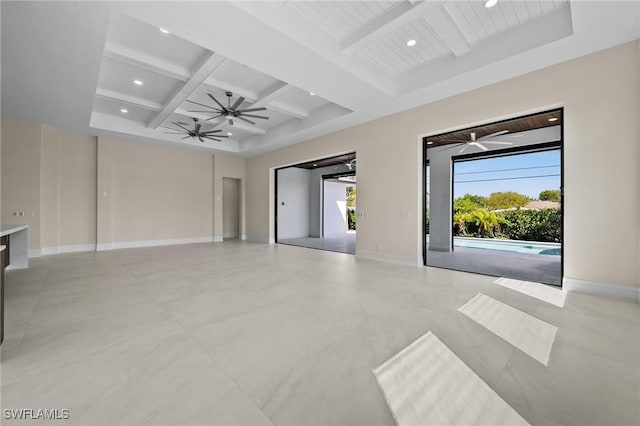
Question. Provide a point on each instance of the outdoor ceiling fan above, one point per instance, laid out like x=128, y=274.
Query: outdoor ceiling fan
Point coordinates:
x=351, y=164
x=196, y=132
x=230, y=112
x=480, y=142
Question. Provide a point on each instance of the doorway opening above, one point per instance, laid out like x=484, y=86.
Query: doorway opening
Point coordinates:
x=231, y=208
x=316, y=204
x=493, y=199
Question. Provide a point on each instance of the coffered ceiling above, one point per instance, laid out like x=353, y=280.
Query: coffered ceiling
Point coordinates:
x=316, y=66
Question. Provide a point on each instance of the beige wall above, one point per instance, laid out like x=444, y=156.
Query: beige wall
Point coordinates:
x=228, y=167
x=155, y=193
x=600, y=96
x=68, y=190
x=230, y=208
x=78, y=191
x=21, y=159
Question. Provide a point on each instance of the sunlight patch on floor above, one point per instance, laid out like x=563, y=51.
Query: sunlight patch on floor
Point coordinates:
x=546, y=293
x=527, y=333
x=427, y=384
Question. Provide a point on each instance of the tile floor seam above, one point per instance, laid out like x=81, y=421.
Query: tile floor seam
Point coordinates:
x=227, y=374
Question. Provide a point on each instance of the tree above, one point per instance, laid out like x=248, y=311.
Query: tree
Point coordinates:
x=506, y=200
x=351, y=196
x=468, y=203
x=550, y=195
x=460, y=221
x=486, y=222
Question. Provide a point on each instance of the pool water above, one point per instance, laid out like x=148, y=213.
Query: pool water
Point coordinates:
x=550, y=249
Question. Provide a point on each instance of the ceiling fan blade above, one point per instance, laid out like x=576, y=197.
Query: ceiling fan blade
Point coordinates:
x=214, y=116
x=252, y=110
x=174, y=133
x=502, y=132
x=254, y=116
x=212, y=131
x=244, y=119
x=463, y=148
x=204, y=112
x=237, y=103
x=479, y=145
x=230, y=122
x=181, y=126
x=187, y=137
x=455, y=145
x=498, y=142
x=216, y=101
x=200, y=137
x=198, y=103
x=213, y=139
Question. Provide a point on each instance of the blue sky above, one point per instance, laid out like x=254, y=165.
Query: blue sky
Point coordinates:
x=528, y=174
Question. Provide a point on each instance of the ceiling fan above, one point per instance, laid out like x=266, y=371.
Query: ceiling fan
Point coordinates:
x=480, y=142
x=231, y=111
x=196, y=132
x=351, y=164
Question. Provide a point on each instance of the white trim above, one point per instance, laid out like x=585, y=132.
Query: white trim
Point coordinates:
x=35, y=253
x=230, y=235
x=614, y=291
x=68, y=249
x=385, y=257
x=243, y=237
x=104, y=246
x=154, y=243
x=218, y=239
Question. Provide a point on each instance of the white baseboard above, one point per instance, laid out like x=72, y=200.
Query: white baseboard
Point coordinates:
x=243, y=237
x=68, y=249
x=218, y=239
x=385, y=257
x=230, y=235
x=104, y=246
x=154, y=243
x=613, y=291
x=35, y=253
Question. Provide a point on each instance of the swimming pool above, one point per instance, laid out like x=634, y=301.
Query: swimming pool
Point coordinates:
x=531, y=247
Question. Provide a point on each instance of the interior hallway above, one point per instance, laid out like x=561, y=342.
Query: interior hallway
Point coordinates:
x=244, y=333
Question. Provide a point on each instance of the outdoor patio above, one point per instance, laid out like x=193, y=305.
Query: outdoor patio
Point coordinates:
x=344, y=243
x=522, y=266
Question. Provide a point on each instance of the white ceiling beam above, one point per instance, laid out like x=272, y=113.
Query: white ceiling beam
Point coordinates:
x=221, y=86
x=141, y=60
x=442, y=22
x=129, y=100
x=211, y=62
x=395, y=18
x=269, y=96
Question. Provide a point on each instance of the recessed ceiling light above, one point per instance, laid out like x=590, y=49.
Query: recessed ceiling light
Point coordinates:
x=429, y=143
x=553, y=119
x=312, y=94
x=411, y=43
x=164, y=31
x=124, y=111
x=315, y=165
x=490, y=3
x=229, y=134
x=138, y=82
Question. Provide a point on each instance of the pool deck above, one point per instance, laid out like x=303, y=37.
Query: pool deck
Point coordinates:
x=522, y=266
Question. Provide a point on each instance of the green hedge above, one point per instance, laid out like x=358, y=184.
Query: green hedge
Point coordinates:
x=528, y=225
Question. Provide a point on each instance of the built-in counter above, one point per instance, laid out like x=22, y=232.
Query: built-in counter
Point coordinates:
x=16, y=238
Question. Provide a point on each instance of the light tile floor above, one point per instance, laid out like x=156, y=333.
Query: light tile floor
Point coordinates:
x=252, y=334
